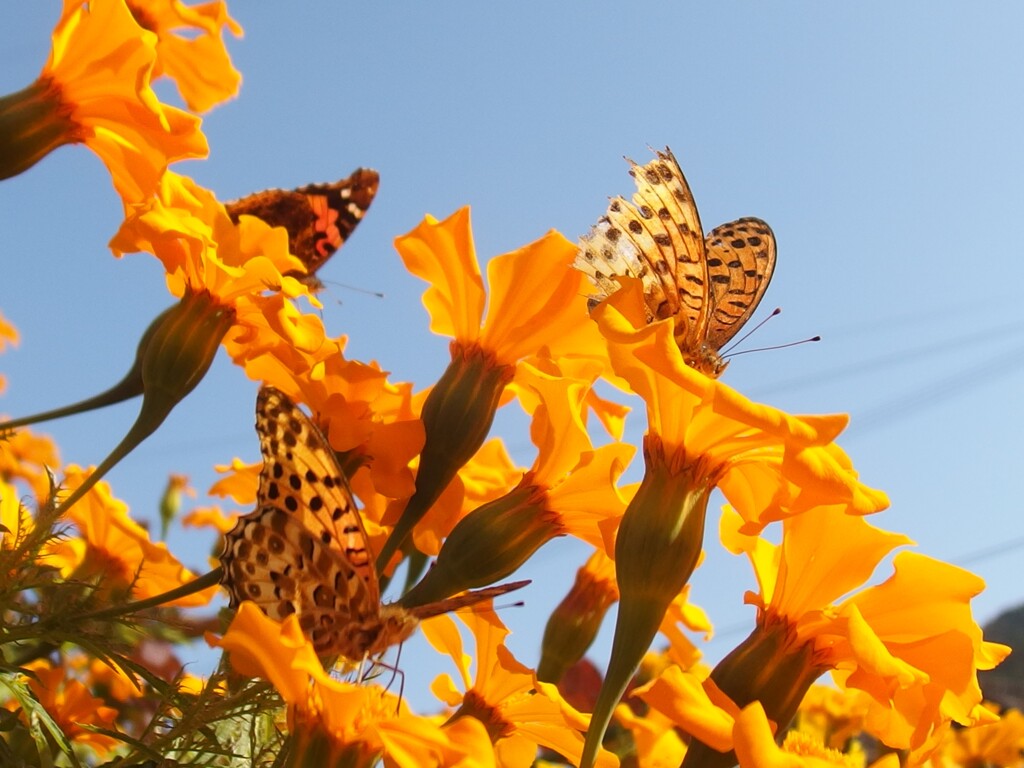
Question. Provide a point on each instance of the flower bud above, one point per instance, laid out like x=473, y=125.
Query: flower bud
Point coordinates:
x=457, y=416
x=487, y=545
x=573, y=625
x=182, y=344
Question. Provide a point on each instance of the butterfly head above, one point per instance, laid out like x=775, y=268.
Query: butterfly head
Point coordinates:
x=707, y=360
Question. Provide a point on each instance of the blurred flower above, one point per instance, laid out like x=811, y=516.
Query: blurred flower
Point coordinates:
x=95, y=89
x=27, y=456
x=212, y=517
x=116, y=550
x=8, y=335
x=336, y=723
x=519, y=712
x=72, y=707
x=997, y=744
x=170, y=502
x=756, y=747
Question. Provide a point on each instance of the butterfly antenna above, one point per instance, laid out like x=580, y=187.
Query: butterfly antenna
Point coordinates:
x=748, y=334
x=777, y=346
x=356, y=288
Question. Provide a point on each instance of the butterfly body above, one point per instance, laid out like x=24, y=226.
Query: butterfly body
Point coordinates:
x=304, y=549
x=319, y=218
x=709, y=286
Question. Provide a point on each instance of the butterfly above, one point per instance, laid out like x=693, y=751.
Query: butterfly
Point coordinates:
x=304, y=549
x=319, y=217
x=710, y=286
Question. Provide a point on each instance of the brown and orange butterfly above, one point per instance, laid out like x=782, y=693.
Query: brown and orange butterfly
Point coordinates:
x=319, y=217
x=304, y=549
x=710, y=286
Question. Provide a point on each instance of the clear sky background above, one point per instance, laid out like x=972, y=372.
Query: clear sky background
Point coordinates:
x=881, y=141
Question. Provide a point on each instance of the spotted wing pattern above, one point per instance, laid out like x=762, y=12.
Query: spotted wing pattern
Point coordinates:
x=304, y=550
x=709, y=286
x=319, y=218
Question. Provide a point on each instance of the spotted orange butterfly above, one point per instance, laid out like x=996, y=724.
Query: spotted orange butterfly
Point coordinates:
x=304, y=549
x=319, y=217
x=710, y=286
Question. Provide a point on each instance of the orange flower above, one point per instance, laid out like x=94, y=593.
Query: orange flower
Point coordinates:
x=701, y=434
x=909, y=643
x=8, y=335
x=211, y=517
x=241, y=267
x=998, y=743
x=26, y=456
x=340, y=723
x=756, y=747
x=117, y=550
x=519, y=712
x=95, y=89
x=12, y=516
x=367, y=419
x=536, y=308
x=72, y=707
x=199, y=63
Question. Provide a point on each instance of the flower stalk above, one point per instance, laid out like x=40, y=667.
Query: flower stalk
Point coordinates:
x=178, y=355
x=658, y=546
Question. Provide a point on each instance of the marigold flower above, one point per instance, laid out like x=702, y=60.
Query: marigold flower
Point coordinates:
x=118, y=550
x=570, y=489
x=198, y=63
x=8, y=335
x=519, y=712
x=756, y=747
x=335, y=722
x=997, y=743
x=26, y=456
x=95, y=89
x=367, y=419
x=657, y=743
x=536, y=304
x=209, y=517
x=72, y=707
x=701, y=434
x=832, y=716
x=909, y=643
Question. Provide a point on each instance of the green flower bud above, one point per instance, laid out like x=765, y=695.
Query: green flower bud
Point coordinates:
x=487, y=545
x=457, y=417
x=572, y=626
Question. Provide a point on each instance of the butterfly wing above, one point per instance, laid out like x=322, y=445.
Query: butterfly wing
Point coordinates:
x=271, y=559
x=657, y=238
x=301, y=478
x=741, y=260
x=319, y=218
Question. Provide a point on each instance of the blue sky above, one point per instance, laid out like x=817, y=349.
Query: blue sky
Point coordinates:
x=880, y=141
